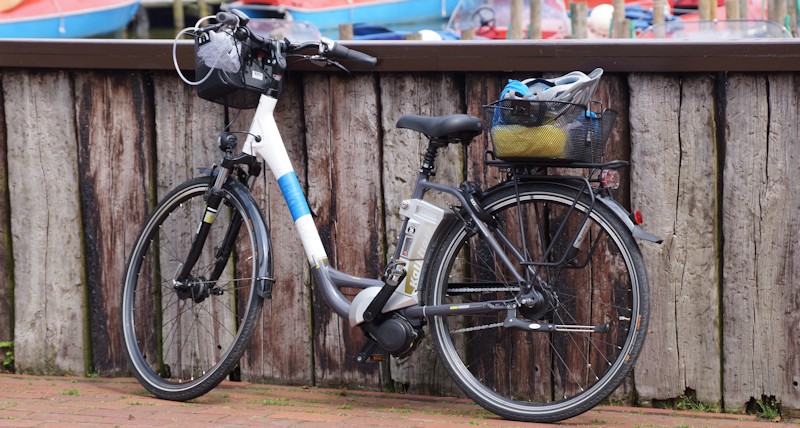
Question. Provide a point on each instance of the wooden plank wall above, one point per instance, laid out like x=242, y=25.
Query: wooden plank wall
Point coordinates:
x=714, y=166
x=6, y=261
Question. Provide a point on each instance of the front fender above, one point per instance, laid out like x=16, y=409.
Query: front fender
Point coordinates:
x=263, y=259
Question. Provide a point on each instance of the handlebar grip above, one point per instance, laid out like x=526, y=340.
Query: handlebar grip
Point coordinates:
x=344, y=53
x=227, y=18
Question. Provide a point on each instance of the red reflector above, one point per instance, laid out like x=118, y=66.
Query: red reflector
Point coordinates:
x=637, y=217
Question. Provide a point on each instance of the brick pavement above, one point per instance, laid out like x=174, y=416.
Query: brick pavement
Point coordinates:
x=32, y=401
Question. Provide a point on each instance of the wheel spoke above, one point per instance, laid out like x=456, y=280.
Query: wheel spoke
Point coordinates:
x=182, y=341
x=551, y=359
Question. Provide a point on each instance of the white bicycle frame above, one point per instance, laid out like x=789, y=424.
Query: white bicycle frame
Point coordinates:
x=271, y=148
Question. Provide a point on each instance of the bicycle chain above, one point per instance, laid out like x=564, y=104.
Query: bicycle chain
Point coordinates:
x=479, y=327
x=485, y=290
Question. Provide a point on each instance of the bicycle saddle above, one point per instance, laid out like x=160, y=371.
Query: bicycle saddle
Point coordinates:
x=459, y=126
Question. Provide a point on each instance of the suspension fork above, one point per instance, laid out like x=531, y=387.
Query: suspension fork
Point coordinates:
x=213, y=202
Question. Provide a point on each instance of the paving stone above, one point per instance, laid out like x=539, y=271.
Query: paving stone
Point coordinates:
x=31, y=401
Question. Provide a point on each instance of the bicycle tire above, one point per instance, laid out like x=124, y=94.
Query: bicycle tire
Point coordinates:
x=177, y=347
x=605, y=283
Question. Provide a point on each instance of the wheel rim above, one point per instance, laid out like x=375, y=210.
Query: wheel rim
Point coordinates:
x=524, y=394
x=176, y=339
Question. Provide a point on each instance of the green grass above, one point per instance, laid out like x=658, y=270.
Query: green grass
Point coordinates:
x=71, y=391
x=690, y=403
x=7, y=355
x=278, y=402
x=768, y=408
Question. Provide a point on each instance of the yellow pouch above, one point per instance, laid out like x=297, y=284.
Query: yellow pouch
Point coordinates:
x=517, y=141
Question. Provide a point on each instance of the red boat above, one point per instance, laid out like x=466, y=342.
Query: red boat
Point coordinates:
x=325, y=14
x=64, y=18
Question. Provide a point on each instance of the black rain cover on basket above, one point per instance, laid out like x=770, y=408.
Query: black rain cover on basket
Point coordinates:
x=238, y=87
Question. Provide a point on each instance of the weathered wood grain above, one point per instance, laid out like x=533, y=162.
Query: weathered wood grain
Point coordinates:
x=6, y=259
x=480, y=90
x=344, y=181
x=655, y=156
x=612, y=93
x=431, y=95
x=281, y=349
x=114, y=113
x=186, y=128
x=45, y=223
x=778, y=262
x=674, y=184
x=760, y=204
x=694, y=248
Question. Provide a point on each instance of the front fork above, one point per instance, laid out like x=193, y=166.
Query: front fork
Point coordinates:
x=200, y=287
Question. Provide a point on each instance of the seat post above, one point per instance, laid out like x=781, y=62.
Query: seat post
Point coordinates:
x=429, y=160
x=426, y=170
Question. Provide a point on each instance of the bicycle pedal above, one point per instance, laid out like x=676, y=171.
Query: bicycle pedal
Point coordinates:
x=368, y=359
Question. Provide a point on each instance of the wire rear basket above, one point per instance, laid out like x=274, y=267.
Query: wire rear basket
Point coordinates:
x=226, y=82
x=526, y=130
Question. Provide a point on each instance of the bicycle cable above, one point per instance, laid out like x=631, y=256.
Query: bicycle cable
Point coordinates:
x=194, y=31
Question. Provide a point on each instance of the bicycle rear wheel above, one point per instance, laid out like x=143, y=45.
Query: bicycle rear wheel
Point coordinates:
x=596, y=309
x=182, y=341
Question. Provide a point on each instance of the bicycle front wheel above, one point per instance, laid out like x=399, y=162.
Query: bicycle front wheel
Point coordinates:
x=561, y=357
x=182, y=341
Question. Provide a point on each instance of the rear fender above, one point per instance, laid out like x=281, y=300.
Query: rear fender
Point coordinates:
x=624, y=216
x=452, y=220
x=637, y=231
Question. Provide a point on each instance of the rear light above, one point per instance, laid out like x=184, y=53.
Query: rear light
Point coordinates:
x=609, y=179
x=637, y=217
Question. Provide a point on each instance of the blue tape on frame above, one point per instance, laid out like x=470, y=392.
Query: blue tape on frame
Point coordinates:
x=293, y=195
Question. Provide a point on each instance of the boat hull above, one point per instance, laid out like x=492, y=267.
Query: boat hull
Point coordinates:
x=377, y=12
x=71, y=19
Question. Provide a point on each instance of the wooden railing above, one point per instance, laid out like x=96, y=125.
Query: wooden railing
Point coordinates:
x=92, y=133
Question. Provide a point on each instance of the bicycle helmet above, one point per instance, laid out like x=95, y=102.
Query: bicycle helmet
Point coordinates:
x=574, y=87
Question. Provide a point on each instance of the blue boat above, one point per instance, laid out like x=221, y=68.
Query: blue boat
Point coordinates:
x=328, y=14
x=66, y=18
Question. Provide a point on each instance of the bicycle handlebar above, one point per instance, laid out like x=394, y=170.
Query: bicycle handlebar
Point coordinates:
x=328, y=48
x=227, y=18
x=346, y=54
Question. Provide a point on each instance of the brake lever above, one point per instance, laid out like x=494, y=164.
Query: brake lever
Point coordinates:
x=279, y=57
x=324, y=61
x=338, y=65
